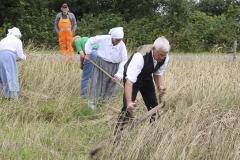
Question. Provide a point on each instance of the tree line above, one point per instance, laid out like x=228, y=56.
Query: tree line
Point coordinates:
x=190, y=25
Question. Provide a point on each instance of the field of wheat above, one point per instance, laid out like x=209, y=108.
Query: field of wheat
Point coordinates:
x=50, y=120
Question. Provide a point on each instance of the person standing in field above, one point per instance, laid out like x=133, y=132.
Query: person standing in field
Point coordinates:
x=87, y=67
x=147, y=60
x=112, y=55
x=65, y=25
x=1, y=19
x=9, y=47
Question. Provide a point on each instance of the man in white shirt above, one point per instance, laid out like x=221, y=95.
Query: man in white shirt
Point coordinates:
x=148, y=60
x=112, y=55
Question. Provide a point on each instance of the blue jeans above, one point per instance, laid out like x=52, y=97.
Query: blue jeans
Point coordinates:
x=87, y=71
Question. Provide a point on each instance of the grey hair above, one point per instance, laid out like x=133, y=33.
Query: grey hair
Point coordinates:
x=163, y=43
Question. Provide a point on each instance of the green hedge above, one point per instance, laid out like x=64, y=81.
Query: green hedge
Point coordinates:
x=200, y=34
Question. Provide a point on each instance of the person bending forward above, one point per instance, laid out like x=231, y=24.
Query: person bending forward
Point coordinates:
x=9, y=47
x=112, y=55
x=148, y=60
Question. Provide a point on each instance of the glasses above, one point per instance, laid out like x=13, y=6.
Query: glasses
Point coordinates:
x=161, y=55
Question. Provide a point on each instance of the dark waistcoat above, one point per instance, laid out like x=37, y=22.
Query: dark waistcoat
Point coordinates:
x=148, y=67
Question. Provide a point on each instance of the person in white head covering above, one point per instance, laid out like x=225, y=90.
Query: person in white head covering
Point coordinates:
x=9, y=48
x=14, y=32
x=112, y=55
x=117, y=33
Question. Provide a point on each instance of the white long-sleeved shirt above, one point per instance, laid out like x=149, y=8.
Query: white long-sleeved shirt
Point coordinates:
x=108, y=52
x=137, y=63
x=13, y=44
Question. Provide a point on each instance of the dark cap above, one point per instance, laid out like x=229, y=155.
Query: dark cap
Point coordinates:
x=64, y=5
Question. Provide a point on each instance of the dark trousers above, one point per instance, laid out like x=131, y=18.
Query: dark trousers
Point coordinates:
x=147, y=91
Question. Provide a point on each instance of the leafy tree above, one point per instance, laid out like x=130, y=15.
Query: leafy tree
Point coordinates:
x=185, y=23
x=176, y=12
x=233, y=13
x=127, y=9
x=135, y=9
x=213, y=7
x=91, y=25
x=33, y=18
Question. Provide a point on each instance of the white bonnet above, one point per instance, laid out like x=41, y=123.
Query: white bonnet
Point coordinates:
x=116, y=32
x=14, y=31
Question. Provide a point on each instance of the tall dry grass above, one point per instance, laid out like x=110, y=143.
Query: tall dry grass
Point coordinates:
x=51, y=121
x=201, y=120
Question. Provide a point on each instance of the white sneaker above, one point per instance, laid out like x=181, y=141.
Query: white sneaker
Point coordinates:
x=91, y=105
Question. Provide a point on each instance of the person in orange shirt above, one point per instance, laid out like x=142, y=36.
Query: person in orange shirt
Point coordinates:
x=65, y=25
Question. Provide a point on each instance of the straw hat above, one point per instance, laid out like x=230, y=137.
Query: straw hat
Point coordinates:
x=73, y=41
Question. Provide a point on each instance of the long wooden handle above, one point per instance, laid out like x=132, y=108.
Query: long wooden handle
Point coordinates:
x=104, y=72
x=112, y=77
x=134, y=124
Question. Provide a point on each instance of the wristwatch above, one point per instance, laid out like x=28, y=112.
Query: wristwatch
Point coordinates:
x=160, y=87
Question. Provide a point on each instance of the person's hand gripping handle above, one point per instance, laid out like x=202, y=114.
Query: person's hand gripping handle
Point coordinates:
x=161, y=92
